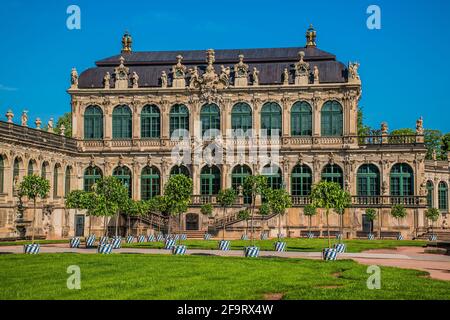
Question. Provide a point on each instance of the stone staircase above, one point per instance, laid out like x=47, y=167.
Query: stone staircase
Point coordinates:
x=443, y=235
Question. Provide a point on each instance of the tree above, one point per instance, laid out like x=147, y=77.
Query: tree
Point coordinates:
x=445, y=145
x=226, y=198
x=254, y=186
x=309, y=211
x=279, y=201
x=244, y=215
x=371, y=215
x=136, y=209
x=433, y=143
x=403, y=132
x=433, y=215
x=328, y=195
x=112, y=197
x=363, y=130
x=398, y=212
x=177, y=194
x=82, y=200
x=34, y=187
x=206, y=209
x=66, y=120
x=343, y=202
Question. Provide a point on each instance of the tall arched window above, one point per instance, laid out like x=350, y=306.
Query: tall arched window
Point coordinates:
x=44, y=170
x=271, y=119
x=332, y=119
x=30, y=168
x=180, y=170
x=122, y=123
x=368, y=184
x=241, y=118
x=67, y=178
x=430, y=194
x=150, y=183
x=210, y=180
x=333, y=173
x=237, y=179
x=16, y=170
x=301, y=181
x=123, y=174
x=2, y=174
x=56, y=180
x=179, y=120
x=301, y=119
x=91, y=176
x=402, y=180
x=150, y=122
x=210, y=118
x=273, y=175
x=93, y=123
x=443, y=196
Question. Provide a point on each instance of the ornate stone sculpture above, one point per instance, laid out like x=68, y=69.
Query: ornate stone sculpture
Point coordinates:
x=62, y=130
x=353, y=76
x=225, y=75
x=384, y=128
x=240, y=73
x=9, y=116
x=419, y=126
x=255, y=75
x=179, y=73
x=301, y=70
x=106, y=81
x=127, y=41
x=286, y=77
x=24, y=118
x=194, y=77
x=135, y=80
x=121, y=74
x=50, y=125
x=311, y=35
x=316, y=75
x=163, y=79
x=74, y=78
x=38, y=123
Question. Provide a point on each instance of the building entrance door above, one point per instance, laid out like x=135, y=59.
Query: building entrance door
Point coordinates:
x=79, y=225
x=192, y=221
x=367, y=224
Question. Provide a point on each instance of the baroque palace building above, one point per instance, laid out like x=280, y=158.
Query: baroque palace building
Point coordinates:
x=219, y=116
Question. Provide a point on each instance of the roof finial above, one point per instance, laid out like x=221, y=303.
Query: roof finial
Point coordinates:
x=311, y=36
x=126, y=42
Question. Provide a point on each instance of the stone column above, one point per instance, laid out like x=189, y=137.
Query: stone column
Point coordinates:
x=196, y=178
x=225, y=183
x=107, y=122
x=165, y=120
x=316, y=105
x=136, y=122
x=136, y=182
x=286, y=112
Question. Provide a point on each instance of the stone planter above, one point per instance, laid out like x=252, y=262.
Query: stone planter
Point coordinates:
x=310, y=235
x=206, y=236
x=399, y=237
x=169, y=244
x=339, y=236
x=130, y=239
x=251, y=252
x=151, y=238
x=340, y=247
x=160, y=237
x=329, y=254
x=179, y=250
x=244, y=237
x=116, y=242
x=105, y=248
x=75, y=242
x=183, y=237
x=280, y=246
x=103, y=240
x=141, y=239
x=31, y=248
x=433, y=237
x=370, y=236
x=224, y=245
x=90, y=241
x=264, y=236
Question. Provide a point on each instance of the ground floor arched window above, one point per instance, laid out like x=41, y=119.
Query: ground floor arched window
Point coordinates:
x=91, y=176
x=123, y=174
x=301, y=180
x=333, y=173
x=402, y=180
x=150, y=183
x=274, y=176
x=443, y=196
x=180, y=170
x=210, y=180
x=430, y=194
x=368, y=181
x=237, y=180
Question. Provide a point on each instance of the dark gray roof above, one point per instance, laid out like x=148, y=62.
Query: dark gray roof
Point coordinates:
x=269, y=62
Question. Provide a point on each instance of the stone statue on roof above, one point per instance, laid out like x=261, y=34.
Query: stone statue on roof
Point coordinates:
x=163, y=79
x=74, y=78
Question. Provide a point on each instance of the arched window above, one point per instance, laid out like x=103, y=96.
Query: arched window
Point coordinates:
x=402, y=180
x=180, y=170
x=368, y=177
x=301, y=119
x=210, y=118
x=123, y=174
x=122, y=123
x=179, y=120
x=332, y=119
x=271, y=119
x=241, y=118
x=150, y=183
x=210, y=180
x=443, y=196
x=56, y=180
x=150, y=122
x=430, y=194
x=237, y=180
x=16, y=170
x=273, y=175
x=44, y=170
x=91, y=176
x=301, y=180
x=333, y=173
x=93, y=123
x=2, y=174
x=30, y=168
x=67, y=184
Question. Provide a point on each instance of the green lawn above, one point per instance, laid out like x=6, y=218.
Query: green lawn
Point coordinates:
x=22, y=242
x=306, y=245
x=131, y=276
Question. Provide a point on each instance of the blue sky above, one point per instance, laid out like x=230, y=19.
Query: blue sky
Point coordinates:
x=405, y=66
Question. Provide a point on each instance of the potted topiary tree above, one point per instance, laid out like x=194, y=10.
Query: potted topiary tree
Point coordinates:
x=328, y=196
x=371, y=215
x=310, y=211
x=207, y=210
x=226, y=198
x=253, y=186
x=264, y=211
x=280, y=201
x=244, y=215
x=343, y=202
x=432, y=214
x=33, y=187
x=398, y=212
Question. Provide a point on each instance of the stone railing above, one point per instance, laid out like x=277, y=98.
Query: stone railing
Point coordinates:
x=199, y=200
x=373, y=201
x=390, y=140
